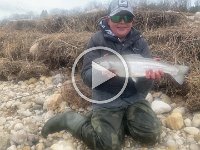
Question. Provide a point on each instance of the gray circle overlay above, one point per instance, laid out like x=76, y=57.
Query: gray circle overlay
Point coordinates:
x=73, y=75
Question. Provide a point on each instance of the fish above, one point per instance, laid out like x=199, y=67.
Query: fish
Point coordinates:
x=138, y=65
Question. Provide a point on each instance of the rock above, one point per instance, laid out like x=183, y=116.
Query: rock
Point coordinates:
x=59, y=78
x=149, y=98
x=25, y=113
x=157, y=94
x=179, y=110
x=191, y=130
x=13, y=147
x=4, y=140
x=160, y=107
x=187, y=122
x=197, y=16
x=31, y=81
x=39, y=100
x=19, y=137
x=53, y=102
x=173, y=105
x=194, y=147
x=165, y=99
x=26, y=148
x=18, y=126
x=174, y=121
x=42, y=78
x=32, y=139
x=48, y=115
x=63, y=145
x=196, y=120
x=48, y=80
x=190, y=139
x=40, y=146
x=34, y=49
x=2, y=120
x=197, y=138
x=171, y=144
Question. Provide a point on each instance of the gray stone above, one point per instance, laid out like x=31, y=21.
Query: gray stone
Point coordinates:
x=19, y=137
x=63, y=145
x=196, y=120
x=191, y=130
x=194, y=147
x=188, y=122
x=160, y=107
x=13, y=147
x=4, y=140
x=149, y=98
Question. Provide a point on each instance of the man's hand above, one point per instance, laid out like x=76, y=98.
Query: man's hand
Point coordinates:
x=155, y=75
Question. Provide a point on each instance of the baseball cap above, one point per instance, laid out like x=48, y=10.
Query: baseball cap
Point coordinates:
x=117, y=6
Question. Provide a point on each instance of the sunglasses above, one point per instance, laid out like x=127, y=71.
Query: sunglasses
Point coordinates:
x=118, y=18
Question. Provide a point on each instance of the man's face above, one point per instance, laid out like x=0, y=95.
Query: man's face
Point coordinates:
x=120, y=24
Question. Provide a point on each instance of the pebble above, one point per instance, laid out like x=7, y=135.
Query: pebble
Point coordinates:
x=160, y=107
x=196, y=120
x=18, y=126
x=191, y=130
x=180, y=110
x=188, y=122
x=19, y=137
x=63, y=145
x=13, y=147
x=4, y=140
x=171, y=144
x=149, y=98
x=194, y=147
x=40, y=146
x=175, y=121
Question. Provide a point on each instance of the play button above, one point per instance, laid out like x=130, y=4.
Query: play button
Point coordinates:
x=97, y=75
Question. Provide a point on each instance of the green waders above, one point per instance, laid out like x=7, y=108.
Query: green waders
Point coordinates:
x=106, y=128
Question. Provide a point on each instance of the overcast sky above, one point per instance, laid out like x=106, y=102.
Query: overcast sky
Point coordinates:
x=9, y=7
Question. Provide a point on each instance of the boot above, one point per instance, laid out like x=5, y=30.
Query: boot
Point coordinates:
x=70, y=121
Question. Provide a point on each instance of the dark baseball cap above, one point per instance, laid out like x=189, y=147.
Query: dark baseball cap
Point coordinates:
x=118, y=6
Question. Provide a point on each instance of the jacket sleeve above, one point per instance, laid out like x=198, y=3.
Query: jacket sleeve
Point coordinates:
x=86, y=72
x=143, y=85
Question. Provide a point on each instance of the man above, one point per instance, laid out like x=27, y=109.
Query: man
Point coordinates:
x=130, y=113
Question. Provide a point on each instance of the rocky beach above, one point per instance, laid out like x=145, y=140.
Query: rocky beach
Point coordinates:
x=26, y=105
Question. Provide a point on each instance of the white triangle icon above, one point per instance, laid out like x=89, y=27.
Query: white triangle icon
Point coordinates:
x=97, y=76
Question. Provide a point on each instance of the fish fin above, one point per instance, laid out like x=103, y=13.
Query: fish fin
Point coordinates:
x=183, y=70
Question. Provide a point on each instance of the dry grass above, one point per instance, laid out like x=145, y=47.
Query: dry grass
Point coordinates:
x=60, y=50
x=72, y=98
x=15, y=45
x=21, y=70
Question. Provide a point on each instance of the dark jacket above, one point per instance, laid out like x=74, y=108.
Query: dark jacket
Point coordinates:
x=134, y=43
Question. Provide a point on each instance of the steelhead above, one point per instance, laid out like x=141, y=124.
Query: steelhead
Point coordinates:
x=138, y=65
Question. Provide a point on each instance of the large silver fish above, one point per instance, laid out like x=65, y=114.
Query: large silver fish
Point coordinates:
x=138, y=65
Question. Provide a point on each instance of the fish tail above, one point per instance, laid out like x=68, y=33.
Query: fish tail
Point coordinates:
x=183, y=70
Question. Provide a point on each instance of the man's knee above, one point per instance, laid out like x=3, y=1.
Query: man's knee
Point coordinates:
x=143, y=123
x=147, y=137
x=107, y=130
x=114, y=143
